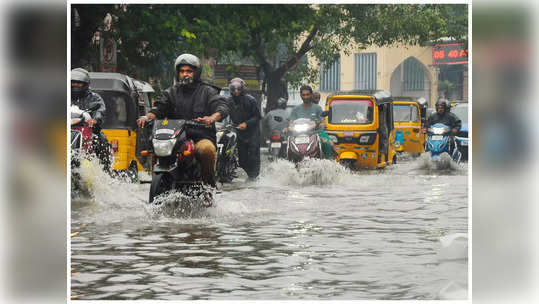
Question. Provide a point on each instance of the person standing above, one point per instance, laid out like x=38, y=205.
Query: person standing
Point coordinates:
x=245, y=113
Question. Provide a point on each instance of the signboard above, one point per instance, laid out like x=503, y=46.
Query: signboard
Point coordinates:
x=107, y=55
x=454, y=53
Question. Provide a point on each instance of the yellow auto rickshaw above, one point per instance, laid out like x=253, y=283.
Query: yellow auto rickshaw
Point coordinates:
x=409, y=115
x=125, y=102
x=360, y=123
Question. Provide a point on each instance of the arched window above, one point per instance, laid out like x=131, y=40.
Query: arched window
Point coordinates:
x=413, y=75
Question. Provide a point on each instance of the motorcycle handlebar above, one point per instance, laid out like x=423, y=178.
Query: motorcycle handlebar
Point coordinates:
x=194, y=123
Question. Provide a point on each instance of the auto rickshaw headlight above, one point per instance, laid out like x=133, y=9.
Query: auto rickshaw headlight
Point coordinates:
x=333, y=138
x=366, y=139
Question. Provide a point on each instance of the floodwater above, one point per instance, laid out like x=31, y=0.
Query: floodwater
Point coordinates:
x=319, y=233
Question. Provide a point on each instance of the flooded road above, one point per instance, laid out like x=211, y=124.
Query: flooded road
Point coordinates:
x=320, y=233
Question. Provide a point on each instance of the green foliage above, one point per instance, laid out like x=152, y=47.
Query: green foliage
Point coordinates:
x=273, y=35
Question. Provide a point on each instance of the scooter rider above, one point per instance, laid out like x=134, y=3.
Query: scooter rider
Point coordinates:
x=191, y=98
x=85, y=99
x=442, y=115
x=245, y=113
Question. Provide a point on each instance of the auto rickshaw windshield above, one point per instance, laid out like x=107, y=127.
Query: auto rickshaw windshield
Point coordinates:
x=348, y=111
x=405, y=113
x=117, y=114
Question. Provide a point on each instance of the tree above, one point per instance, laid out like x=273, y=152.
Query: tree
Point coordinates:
x=277, y=36
x=149, y=37
x=261, y=31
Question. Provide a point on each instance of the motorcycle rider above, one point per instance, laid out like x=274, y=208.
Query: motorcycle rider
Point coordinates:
x=314, y=112
x=442, y=115
x=191, y=98
x=245, y=113
x=83, y=97
x=307, y=109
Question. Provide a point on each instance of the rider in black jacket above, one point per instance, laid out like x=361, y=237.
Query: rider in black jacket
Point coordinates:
x=191, y=98
x=85, y=99
x=442, y=115
x=245, y=113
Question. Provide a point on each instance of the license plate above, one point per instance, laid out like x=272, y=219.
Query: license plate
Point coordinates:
x=275, y=144
x=464, y=142
x=437, y=137
x=301, y=140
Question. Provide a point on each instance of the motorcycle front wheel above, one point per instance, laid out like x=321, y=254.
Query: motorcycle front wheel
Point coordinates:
x=161, y=183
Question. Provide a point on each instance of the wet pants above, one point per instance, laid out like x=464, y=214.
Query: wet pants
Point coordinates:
x=249, y=156
x=206, y=154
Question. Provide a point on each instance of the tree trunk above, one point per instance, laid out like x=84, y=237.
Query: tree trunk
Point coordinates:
x=275, y=89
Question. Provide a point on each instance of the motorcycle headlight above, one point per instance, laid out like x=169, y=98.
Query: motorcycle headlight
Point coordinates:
x=439, y=130
x=163, y=147
x=301, y=128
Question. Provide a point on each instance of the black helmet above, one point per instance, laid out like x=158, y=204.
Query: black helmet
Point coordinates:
x=442, y=103
x=236, y=83
x=281, y=103
x=191, y=60
x=80, y=75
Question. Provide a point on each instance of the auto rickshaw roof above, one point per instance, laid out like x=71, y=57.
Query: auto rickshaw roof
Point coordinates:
x=110, y=82
x=421, y=101
x=381, y=96
x=143, y=86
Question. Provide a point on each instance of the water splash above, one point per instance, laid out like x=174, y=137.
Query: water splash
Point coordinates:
x=308, y=172
x=443, y=163
x=191, y=202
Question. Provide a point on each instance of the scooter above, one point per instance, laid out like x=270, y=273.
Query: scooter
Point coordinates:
x=227, y=153
x=303, y=141
x=176, y=167
x=439, y=142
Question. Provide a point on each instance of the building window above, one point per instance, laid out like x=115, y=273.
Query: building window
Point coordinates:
x=330, y=78
x=365, y=70
x=414, y=75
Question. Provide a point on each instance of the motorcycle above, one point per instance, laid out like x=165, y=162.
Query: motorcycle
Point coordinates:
x=439, y=142
x=304, y=141
x=227, y=153
x=82, y=147
x=176, y=167
x=277, y=143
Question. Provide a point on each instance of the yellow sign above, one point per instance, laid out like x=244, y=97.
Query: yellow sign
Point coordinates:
x=165, y=122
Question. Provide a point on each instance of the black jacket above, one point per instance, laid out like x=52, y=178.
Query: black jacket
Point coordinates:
x=200, y=100
x=448, y=119
x=244, y=108
x=89, y=100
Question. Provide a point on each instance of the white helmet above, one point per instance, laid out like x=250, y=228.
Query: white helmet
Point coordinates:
x=191, y=60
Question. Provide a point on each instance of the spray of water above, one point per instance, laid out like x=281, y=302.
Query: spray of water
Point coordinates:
x=308, y=172
x=109, y=198
x=189, y=202
x=443, y=163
